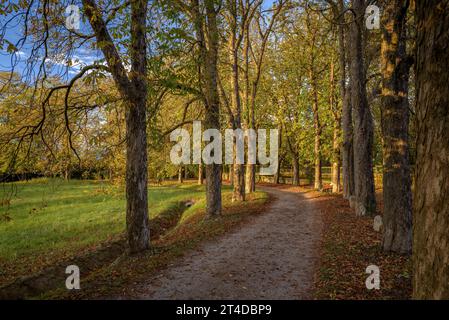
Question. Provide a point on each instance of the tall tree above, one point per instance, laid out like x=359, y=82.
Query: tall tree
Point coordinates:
x=252, y=85
x=200, y=174
x=318, y=183
x=347, y=150
x=239, y=15
x=336, y=144
x=397, y=197
x=134, y=89
x=363, y=122
x=204, y=18
x=235, y=38
x=431, y=192
x=313, y=73
x=52, y=41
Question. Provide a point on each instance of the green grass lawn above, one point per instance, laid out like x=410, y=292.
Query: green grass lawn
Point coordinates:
x=48, y=216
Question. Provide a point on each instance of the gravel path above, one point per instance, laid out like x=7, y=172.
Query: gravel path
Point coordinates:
x=271, y=257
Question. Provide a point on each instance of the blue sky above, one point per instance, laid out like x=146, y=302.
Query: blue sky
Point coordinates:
x=14, y=32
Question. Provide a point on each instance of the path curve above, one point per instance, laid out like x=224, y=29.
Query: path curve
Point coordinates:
x=271, y=257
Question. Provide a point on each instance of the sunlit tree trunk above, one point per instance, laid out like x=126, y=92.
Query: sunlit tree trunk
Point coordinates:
x=347, y=128
x=133, y=89
x=206, y=28
x=295, y=164
x=231, y=174
x=136, y=136
x=336, y=164
x=250, y=169
x=277, y=175
x=110, y=174
x=397, y=198
x=200, y=174
x=250, y=183
x=295, y=161
x=348, y=147
x=67, y=174
x=431, y=191
x=257, y=62
x=238, y=182
x=180, y=176
x=363, y=122
x=336, y=145
x=318, y=183
x=233, y=48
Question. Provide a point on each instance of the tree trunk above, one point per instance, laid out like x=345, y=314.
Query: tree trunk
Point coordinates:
x=180, y=176
x=277, y=175
x=347, y=147
x=250, y=172
x=295, y=161
x=363, y=122
x=336, y=147
x=239, y=183
x=133, y=89
x=336, y=164
x=295, y=164
x=318, y=180
x=258, y=61
x=231, y=174
x=397, y=198
x=251, y=168
x=200, y=174
x=207, y=26
x=233, y=47
x=318, y=184
x=137, y=177
x=431, y=192
x=136, y=134
x=250, y=183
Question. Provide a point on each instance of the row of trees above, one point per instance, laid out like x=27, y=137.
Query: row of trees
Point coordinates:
x=411, y=35
x=339, y=93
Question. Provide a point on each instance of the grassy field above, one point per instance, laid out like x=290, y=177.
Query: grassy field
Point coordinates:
x=47, y=215
x=45, y=220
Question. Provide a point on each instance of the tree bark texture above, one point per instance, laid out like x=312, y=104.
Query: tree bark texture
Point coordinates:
x=133, y=88
x=363, y=122
x=431, y=191
x=206, y=28
x=397, y=197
